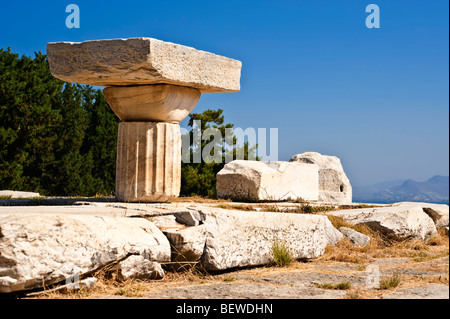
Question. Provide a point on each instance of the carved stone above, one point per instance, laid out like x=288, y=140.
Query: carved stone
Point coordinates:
x=154, y=103
x=148, y=162
x=147, y=81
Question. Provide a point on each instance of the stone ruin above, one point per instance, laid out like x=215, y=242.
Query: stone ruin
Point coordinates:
x=152, y=86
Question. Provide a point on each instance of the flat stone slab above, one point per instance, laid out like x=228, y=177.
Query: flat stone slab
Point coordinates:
x=438, y=212
x=246, y=290
x=242, y=239
x=46, y=249
x=433, y=291
x=270, y=181
x=398, y=222
x=142, y=61
x=18, y=194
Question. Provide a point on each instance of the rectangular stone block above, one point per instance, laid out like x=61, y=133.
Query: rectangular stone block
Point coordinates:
x=270, y=181
x=148, y=162
x=142, y=61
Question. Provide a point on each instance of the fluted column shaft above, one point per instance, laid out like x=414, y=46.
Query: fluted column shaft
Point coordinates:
x=148, y=162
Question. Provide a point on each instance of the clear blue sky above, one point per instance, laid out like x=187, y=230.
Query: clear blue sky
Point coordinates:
x=376, y=98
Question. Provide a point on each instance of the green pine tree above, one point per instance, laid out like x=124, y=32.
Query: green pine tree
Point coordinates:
x=199, y=179
x=56, y=138
x=27, y=121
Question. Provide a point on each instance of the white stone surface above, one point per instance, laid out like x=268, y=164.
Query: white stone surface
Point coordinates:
x=37, y=249
x=142, y=61
x=334, y=185
x=137, y=267
x=275, y=181
x=152, y=103
x=187, y=241
x=355, y=237
x=438, y=212
x=241, y=239
x=18, y=194
x=148, y=165
x=399, y=223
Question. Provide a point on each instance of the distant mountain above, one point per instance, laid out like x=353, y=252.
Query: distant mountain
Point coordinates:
x=434, y=190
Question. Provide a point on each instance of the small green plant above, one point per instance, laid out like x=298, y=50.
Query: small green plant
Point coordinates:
x=282, y=255
x=362, y=267
x=229, y=278
x=391, y=282
x=352, y=295
x=422, y=256
x=307, y=209
x=340, y=286
x=5, y=197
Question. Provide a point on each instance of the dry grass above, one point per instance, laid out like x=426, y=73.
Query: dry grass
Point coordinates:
x=391, y=282
x=278, y=208
x=339, y=286
x=382, y=247
x=108, y=284
x=200, y=200
x=299, y=207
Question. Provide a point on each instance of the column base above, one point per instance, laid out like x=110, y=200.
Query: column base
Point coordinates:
x=148, y=162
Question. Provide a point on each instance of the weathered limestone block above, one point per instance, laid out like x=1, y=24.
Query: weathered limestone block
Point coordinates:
x=439, y=213
x=148, y=162
x=37, y=249
x=241, y=239
x=137, y=267
x=188, y=243
x=224, y=239
x=355, y=237
x=187, y=239
x=398, y=223
x=18, y=194
x=142, y=61
x=277, y=181
x=152, y=103
x=334, y=186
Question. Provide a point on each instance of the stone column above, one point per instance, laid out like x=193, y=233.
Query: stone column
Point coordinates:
x=152, y=86
x=149, y=143
x=148, y=162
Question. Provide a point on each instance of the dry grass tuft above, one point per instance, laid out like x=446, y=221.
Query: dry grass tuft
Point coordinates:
x=338, y=286
x=282, y=255
x=391, y=282
x=200, y=200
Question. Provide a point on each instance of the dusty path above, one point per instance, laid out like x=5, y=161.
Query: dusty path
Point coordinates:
x=319, y=280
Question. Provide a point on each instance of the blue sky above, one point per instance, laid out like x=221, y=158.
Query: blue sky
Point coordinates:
x=376, y=98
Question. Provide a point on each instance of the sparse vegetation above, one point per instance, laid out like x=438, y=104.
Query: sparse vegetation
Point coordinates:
x=339, y=286
x=282, y=255
x=422, y=256
x=391, y=282
x=229, y=278
x=353, y=295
